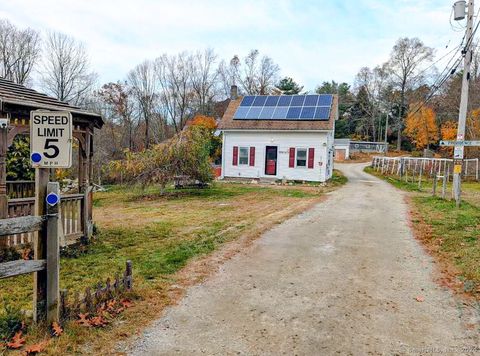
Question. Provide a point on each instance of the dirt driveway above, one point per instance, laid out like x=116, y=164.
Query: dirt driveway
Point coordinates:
x=342, y=278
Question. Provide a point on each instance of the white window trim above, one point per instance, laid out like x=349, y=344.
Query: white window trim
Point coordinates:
x=248, y=156
x=306, y=157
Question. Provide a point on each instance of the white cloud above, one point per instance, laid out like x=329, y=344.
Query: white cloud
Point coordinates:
x=312, y=41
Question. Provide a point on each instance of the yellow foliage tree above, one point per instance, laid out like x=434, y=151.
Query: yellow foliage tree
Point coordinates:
x=421, y=125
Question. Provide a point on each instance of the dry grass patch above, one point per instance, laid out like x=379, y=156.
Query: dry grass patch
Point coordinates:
x=174, y=241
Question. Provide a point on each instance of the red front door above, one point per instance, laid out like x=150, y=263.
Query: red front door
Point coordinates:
x=271, y=160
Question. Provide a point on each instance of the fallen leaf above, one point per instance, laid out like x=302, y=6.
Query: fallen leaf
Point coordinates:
x=36, y=348
x=82, y=319
x=56, y=329
x=17, y=341
x=98, y=321
x=126, y=303
x=26, y=254
x=420, y=299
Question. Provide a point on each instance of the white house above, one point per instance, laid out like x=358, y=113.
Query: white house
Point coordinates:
x=282, y=137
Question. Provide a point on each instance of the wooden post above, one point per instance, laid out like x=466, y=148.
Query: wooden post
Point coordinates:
x=420, y=177
x=444, y=183
x=40, y=245
x=53, y=257
x=476, y=170
x=128, y=275
x=3, y=178
x=434, y=190
x=64, y=312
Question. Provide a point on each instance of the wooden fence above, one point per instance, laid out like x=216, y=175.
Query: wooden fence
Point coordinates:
x=90, y=300
x=47, y=261
x=428, y=167
x=20, y=189
x=72, y=217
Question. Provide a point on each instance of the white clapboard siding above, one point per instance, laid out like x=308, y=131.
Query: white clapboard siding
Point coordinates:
x=321, y=141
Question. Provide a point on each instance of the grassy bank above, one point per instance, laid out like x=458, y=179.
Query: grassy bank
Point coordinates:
x=161, y=234
x=451, y=234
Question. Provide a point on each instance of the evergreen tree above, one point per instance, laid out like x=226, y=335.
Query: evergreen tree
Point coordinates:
x=288, y=86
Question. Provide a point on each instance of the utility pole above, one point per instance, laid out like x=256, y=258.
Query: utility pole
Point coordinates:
x=462, y=115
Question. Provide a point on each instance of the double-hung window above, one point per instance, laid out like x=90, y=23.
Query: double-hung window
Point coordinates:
x=243, y=156
x=301, y=159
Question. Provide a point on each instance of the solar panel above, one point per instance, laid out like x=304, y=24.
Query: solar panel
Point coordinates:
x=294, y=112
x=297, y=100
x=285, y=107
x=247, y=101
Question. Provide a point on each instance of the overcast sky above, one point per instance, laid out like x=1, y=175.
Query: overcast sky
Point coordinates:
x=312, y=41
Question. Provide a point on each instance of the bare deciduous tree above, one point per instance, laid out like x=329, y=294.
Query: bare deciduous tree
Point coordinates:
x=19, y=52
x=66, y=72
x=119, y=99
x=256, y=76
x=204, y=79
x=408, y=57
x=177, y=93
x=228, y=74
x=374, y=82
x=144, y=87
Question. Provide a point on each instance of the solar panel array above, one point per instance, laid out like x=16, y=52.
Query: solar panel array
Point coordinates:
x=285, y=107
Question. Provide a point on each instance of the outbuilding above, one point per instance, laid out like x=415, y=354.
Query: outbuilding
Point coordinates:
x=288, y=137
x=342, y=149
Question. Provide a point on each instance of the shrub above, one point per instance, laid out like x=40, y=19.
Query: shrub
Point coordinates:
x=187, y=153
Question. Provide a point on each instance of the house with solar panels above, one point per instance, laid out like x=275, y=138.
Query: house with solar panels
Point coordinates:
x=279, y=137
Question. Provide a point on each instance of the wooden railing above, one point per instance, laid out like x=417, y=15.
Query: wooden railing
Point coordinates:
x=428, y=166
x=47, y=257
x=71, y=214
x=20, y=189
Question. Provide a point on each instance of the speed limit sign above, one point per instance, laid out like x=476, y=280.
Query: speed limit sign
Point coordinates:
x=51, y=139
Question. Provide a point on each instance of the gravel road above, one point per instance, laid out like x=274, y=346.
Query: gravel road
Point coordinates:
x=341, y=278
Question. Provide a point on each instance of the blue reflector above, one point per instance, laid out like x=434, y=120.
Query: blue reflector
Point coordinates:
x=294, y=112
x=284, y=100
x=247, y=100
x=272, y=101
x=297, y=100
x=260, y=101
x=241, y=112
x=254, y=112
x=267, y=112
x=325, y=100
x=308, y=112
x=311, y=100
x=280, y=112
x=322, y=113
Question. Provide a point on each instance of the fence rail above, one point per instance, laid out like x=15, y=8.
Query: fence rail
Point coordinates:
x=71, y=216
x=20, y=189
x=428, y=167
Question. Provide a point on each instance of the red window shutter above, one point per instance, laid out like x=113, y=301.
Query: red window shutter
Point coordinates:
x=291, y=161
x=235, y=155
x=311, y=157
x=252, y=156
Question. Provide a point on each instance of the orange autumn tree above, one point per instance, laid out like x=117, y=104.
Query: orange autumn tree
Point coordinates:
x=421, y=125
x=207, y=122
x=448, y=132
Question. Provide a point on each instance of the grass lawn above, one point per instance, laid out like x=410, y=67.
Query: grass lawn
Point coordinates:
x=161, y=234
x=452, y=235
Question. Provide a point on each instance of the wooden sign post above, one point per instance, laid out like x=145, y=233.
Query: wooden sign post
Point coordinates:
x=50, y=147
